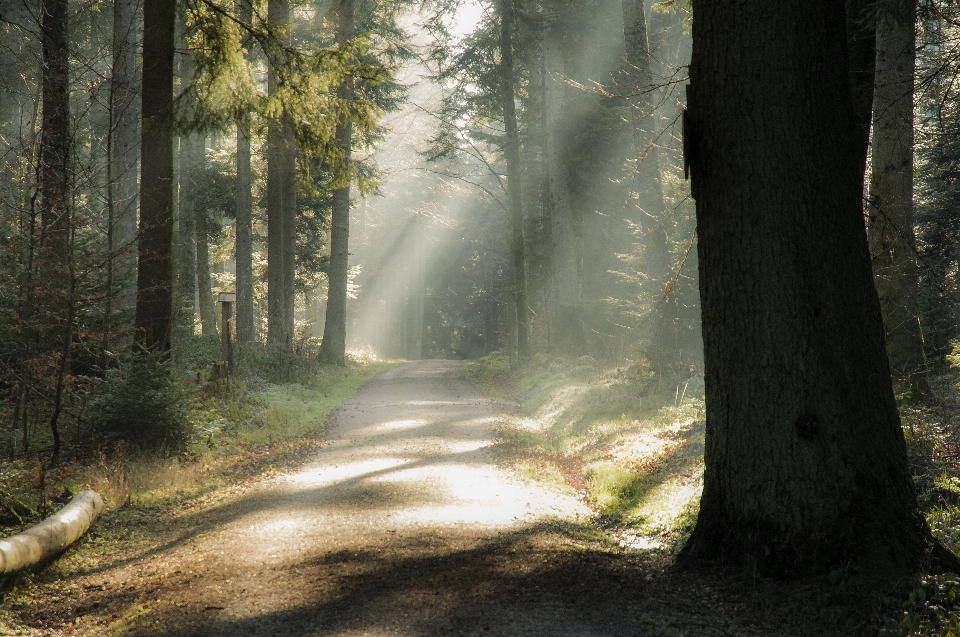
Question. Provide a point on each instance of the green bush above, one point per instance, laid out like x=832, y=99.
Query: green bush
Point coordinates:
x=140, y=402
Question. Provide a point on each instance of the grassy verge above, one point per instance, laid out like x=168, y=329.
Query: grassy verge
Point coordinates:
x=630, y=445
x=243, y=431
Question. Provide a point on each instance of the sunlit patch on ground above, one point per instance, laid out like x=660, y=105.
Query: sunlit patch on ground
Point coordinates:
x=323, y=476
x=399, y=424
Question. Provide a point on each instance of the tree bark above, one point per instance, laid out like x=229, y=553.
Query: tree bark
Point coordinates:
x=511, y=151
x=123, y=152
x=55, y=276
x=246, y=327
x=50, y=537
x=154, y=264
x=55, y=178
x=805, y=461
x=281, y=210
x=890, y=209
x=334, y=345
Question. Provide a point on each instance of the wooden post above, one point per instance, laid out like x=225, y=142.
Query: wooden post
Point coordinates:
x=226, y=313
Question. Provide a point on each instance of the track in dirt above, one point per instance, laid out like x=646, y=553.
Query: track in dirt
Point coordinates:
x=403, y=523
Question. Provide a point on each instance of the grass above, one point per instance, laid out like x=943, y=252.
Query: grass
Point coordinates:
x=629, y=443
x=243, y=432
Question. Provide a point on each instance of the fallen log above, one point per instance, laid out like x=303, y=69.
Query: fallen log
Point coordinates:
x=53, y=535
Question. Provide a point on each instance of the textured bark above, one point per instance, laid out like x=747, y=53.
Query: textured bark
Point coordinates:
x=514, y=179
x=246, y=327
x=333, y=347
x=805, y=462
x=281, y=211
x=567, y=333
x=890, y=209
x=123, y=151
x=55, y=144
x=154, y=264
x=54, y=273
x=50, y=537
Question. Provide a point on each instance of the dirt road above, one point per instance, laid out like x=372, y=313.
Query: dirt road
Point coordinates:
x=404, y=523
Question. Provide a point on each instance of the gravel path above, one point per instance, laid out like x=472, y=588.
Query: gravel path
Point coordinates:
x=402, y=524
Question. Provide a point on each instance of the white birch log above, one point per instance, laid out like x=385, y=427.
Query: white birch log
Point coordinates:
x=53, y=535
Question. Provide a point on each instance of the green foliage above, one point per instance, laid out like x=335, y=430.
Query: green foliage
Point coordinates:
x=140, y=401
x=490, y=368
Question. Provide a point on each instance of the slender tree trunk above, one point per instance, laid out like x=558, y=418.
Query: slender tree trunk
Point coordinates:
x=805, y=462
x=187, y=237
x=246, y=327
x=154, y=264
x=55, y=274
x=123, y=152
x=514, y=175
x=281, y=211
x=55, y=153
x=195, y=164
x=890, y=211
x=647, y=192
x=567, y=324
x=333, y=348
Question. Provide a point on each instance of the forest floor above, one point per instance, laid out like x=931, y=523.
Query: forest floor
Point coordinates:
x=412, y=517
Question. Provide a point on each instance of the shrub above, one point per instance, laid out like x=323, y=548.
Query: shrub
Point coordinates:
x=140, y=402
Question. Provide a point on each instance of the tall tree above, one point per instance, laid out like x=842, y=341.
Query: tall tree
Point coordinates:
x=281, y=203
x=567, y=331
x=333, y=347
x=511, y=151
x=122, y=166
x=55, y=141
x=805, y=459
x=193, y=166
x=55, y=276
x=890, y=210
x=647, y=191
x=246, y=329
x=154, y=263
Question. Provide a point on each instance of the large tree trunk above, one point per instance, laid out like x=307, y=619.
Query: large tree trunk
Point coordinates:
x=333, y=348
x=123, y=153
x=890, y=218
x=154, y=264
x=246, y=327
x=514, y=189
x=281, y=212
x=806, y=465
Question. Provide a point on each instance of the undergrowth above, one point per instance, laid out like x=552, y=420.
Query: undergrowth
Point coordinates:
x=191, y=436
x=628, y=442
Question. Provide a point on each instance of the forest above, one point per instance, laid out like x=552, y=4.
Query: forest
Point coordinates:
x=698, y=261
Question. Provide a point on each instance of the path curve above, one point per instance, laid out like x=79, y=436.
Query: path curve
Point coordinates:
x=402, y=524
